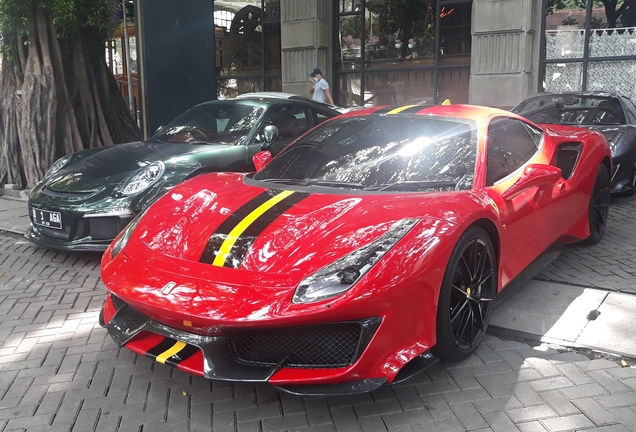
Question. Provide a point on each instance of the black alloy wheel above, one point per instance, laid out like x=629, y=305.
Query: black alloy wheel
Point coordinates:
x=599, y=206
x=466, y=296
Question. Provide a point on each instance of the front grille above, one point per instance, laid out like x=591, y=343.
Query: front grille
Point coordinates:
x=320, y=346
x=58, y=234
x=132, y=317
x=73, y=196
x=105, y=228
x=117, y=302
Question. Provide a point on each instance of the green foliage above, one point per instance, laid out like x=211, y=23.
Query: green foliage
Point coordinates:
x=90, y=18
x=14, y=16
x=403, y=17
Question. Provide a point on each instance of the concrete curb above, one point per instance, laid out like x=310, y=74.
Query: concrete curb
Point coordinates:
x=17, y=194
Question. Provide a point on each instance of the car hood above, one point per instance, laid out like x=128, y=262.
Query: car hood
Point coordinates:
x=113, y=164
x=300, y=233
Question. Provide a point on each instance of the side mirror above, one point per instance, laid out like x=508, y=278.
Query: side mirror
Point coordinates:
x=261, y=159
x=535, y=175
x=270, y=133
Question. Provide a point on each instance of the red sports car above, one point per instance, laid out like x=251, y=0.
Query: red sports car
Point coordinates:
x=370, y=247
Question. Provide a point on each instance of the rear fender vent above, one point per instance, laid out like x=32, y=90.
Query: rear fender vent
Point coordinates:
x=567, y=156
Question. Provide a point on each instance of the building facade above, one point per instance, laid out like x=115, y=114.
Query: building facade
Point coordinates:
x=377, y=52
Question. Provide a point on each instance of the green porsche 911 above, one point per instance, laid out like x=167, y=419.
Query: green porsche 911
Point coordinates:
x=88, y=197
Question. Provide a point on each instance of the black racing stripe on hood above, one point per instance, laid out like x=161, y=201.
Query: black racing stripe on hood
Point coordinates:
x=218, y=237
x=249, y=236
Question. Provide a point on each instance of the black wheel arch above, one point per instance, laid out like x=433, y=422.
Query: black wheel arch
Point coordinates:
x=492, y=231
x=608, y=164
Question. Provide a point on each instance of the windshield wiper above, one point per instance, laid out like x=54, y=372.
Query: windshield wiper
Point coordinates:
x=412, y=185
x=313, y=182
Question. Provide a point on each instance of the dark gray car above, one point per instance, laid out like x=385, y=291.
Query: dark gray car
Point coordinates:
x=611, y=114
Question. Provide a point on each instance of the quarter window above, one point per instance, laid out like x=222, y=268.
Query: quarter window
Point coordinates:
x=291, y=121
x=631, y=110
x=511, y=143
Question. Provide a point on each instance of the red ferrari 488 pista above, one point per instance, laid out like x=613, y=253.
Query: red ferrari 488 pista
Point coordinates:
x=370, y=247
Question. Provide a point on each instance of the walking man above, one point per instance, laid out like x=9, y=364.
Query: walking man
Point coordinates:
x=320, y=88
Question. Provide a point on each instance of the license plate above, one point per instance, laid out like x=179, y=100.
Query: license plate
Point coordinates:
x=47, y=218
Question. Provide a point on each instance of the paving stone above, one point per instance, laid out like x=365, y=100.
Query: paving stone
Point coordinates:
x=526, y=394
x=285, y=422
x=408, y=418
x=464, y=378
x=450, y=425
x=584, y=390
x=595, y=412
x=608, y=382
x=559, y=403
x=551, y=383
x=574, y=373
x=573, y=422
x=617, y=400
x=531, y=413
x=500, y=422
x=497, y=404
x=437, y=407
x=466, y=396
x=468, y=415
x=377, y=408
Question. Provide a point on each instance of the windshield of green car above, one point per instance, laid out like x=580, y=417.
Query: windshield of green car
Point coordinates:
x=381, y=153
x=572, y=110
x=220, y=123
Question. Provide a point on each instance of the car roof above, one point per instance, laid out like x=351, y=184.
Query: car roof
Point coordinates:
x=290, y=96
x=577, y=93
x=460, y=111
x=274, y=95
x=267, y=98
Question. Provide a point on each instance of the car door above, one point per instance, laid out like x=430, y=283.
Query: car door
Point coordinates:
x=530, y=222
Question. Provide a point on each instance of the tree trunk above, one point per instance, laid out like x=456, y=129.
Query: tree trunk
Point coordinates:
x=54, y=103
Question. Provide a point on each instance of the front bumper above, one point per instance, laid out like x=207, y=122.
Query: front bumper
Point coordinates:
x=257, y=360
x=91, y=232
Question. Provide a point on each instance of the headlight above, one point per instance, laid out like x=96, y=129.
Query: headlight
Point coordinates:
x=145, y=178
x=57, y=165
x=122, y=240
x=341, y=275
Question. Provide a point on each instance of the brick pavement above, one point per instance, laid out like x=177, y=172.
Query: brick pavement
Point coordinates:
x=611, y=264
x=59, y=371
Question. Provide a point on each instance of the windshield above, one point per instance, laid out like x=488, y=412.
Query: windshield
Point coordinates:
x=381, y=153
x=572, y=110
x=221, y=123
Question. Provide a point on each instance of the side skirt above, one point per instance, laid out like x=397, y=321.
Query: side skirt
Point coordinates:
x=535, y=267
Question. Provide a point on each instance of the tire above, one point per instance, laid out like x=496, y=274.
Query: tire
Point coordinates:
x=598, y=209
x=466, y=296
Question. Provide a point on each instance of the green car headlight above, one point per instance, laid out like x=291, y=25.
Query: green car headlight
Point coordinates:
x=339, y=276
x=143, y=179
x=57, y=165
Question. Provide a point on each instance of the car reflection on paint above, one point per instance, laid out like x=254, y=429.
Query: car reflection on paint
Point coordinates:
x=366, y=250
